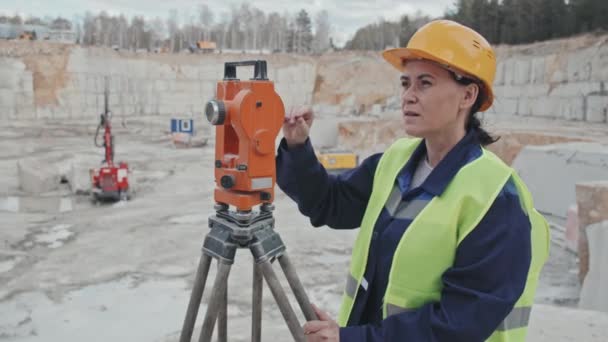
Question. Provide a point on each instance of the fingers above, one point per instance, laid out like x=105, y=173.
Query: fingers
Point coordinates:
x=302, y=112
x=323, y=316
x=314, y=326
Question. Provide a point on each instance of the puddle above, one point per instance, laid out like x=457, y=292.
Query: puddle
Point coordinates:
x=55, y=236
x=7, y=265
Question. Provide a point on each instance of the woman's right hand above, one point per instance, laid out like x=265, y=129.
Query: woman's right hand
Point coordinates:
x=296, y=127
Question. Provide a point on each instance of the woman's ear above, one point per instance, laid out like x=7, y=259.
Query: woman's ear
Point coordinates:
x=471, y=92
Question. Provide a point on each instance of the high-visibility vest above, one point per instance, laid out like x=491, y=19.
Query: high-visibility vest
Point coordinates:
x=428, y=247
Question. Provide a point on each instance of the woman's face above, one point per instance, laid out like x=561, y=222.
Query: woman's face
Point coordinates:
x=430, y=100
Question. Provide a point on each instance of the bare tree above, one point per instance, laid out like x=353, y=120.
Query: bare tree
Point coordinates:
x=172, y=27
x=205, y=17
x=246, y=26
x=273, y=31
x=123, y=32
x=256, y=24
x=158, y=31
x=234, y=27
x=322, y=31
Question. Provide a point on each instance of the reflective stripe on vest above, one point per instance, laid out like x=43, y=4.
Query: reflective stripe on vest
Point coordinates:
x=438, y=227
x=517, y=318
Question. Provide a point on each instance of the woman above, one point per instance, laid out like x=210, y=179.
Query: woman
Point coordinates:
x=450, y=247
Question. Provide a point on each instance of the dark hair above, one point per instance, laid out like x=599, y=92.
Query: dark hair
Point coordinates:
x=473, y=122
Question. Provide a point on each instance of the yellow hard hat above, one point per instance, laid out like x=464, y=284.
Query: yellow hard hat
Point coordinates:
x=455, y=47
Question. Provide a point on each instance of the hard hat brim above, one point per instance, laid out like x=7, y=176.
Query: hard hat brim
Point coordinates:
x=395, y=57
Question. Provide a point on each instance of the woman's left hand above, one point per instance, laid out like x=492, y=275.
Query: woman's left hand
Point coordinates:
x=325, y=329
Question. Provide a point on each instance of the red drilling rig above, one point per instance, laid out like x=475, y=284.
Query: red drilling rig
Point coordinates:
x=110, y=182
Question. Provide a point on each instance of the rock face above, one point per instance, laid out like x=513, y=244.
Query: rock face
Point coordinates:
x=592, y=201
x=562, y=79
x=54, y=81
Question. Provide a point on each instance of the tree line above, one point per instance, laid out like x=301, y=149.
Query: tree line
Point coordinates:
x=244, y=27
x=526, y=21
x=500, y=22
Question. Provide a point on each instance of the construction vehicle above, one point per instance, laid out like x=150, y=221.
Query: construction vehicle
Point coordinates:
x=337, y=161
x=110, y=182
x=27, y=35
x=203, y=46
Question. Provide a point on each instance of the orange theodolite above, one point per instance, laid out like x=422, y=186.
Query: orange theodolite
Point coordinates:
x=248, y=116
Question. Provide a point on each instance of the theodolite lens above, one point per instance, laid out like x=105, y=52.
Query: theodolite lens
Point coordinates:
x=215, y=112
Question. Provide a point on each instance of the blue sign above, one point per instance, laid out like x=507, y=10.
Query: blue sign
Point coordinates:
x=182, y=126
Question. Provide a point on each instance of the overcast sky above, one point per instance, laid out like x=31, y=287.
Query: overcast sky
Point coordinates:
x=345, y=15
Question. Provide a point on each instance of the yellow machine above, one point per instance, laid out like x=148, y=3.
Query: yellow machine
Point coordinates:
x=338, y=161
x=27, y=35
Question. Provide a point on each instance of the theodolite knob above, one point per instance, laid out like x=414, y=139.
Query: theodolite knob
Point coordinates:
x=227, y=181
x=215, y=112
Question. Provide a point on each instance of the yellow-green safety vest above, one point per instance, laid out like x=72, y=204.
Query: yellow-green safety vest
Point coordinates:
x=428, y=247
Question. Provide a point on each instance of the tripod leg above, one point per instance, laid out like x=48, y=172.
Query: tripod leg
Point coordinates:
x=219, y=286
x=195, y=298
x=279, y=295
x=256, y=304
x=297, y=288
x=222, y=319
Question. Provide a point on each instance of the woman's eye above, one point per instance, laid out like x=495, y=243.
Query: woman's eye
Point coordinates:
x=405, y=84
x=426, y=83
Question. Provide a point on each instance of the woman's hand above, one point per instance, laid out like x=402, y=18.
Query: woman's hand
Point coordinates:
x=296, y=127
x=325, y=329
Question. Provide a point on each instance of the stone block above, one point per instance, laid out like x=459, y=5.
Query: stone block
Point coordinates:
x=62, y=112
x=575, y=89
x=593, y=291
x=592, y=201
x=499, y=79
x=26, y=82
x=521, y=72
x=45, y=112
x=92, y=84
x=7, y=113
x=502, y=106
x=551, y=172
x=545, y=106
x=579, y=65
x=524, y=106
x=537, y=72
x=79, y=178
x=24, y=99
x=573, y=108
x=508, y=91
x=7, y=98
x=9, y=78
x=27, y=112
x=37, y=176
x=509, y=71
x=597, y=108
